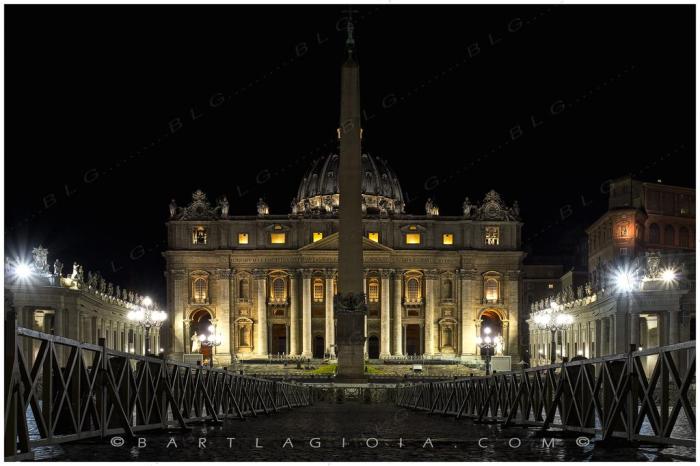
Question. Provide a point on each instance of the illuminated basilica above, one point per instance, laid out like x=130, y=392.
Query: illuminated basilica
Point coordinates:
x=264, y=285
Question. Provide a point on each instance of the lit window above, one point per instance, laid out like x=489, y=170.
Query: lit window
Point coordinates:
x=199, y=290
x=317, y=236
x=278, y=227
x=412, y=238
x=199, y=235
x=491, y=290
x=412, y=290
x=550, y=286
x=278, y=238
x=318, y=290
x=279, y=290
x=242, y=238
x=447, y=238
x=412, y=227
x=373, y=236
x=492, y=236
x=373, y=290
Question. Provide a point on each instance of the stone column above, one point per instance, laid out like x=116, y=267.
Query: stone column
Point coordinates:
x=364, y=290
x=605, y=336
x=465, y=299
x=506, y=337
x=384, y=348
x=620, y=342
x=597, y=339
x=673, y=329
x=330, y=321
x=634, y=330
x=306, y=314
x=293, y=313
x=398, y=326
x=261, y=284
x=430, y=279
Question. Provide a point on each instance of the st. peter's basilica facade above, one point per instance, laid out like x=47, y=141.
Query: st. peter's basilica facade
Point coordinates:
x=264, y=285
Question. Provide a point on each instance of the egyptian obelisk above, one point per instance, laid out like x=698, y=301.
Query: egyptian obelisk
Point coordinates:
x=350, y=302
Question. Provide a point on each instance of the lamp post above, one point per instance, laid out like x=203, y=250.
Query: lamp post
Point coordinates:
x=487, y=343
x=211, y=339
x=554, y=320
x=147, y=316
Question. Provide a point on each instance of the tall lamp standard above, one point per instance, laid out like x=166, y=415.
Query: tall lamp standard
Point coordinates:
x=488, y=344
x=212, y=339
x=148, y=317
x=554, y=320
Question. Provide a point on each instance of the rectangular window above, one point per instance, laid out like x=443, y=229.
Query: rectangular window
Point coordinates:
x=278, y=238
x=242, y=238
x=550, y=286
x=492, y=236
x=317, y=235
x=373, y=236
x=447, y=238
x=412, y=238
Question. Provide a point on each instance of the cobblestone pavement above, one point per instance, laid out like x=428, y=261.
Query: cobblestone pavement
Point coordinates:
x=370, y=432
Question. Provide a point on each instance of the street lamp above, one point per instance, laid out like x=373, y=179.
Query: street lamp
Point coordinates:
x=554, y=320
x=487, y=343
x=148, y=317
x=212, y=339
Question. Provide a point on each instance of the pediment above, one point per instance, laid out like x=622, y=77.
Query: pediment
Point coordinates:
x=331, y=243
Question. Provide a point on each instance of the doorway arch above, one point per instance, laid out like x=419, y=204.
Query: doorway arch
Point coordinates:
x=373, y=347
x=319, y=347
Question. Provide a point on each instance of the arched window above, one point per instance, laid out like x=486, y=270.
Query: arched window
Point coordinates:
x=318, y=290
x=373, y=289
x=683, y=237
x=279, y=289
x=244, y=289
x=413, y=290
x=200, y=290
x=491, y=290
x=654, y=234
x=669, y=235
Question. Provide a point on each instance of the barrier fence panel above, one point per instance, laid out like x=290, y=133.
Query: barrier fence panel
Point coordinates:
x=59, y=390
x=644, y=395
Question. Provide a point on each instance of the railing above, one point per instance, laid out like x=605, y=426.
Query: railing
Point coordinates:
x=639, y=396
x=59, y=390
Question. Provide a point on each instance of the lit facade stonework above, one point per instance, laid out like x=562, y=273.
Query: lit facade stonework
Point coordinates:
x=267, y=282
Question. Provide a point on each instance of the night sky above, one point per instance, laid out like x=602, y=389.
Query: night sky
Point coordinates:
x=100, y=100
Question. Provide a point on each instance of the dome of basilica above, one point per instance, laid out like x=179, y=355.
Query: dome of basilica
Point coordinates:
x=318, y=192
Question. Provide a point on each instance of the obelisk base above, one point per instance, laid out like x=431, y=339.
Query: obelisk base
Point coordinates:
x=350, y=339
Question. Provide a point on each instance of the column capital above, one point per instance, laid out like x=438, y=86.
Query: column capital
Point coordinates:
x=386, y=273
x=329, y=274
x=466, y=274
x=431, y=274
x=398, y=274
x=306, y=273
x=293, y=274
x=259, y=274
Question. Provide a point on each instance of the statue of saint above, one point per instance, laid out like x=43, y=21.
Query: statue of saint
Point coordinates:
x=58, y=268
x=263, y=208
x=224, y=207
x=173, y=208
x=196, y=344
x=74, y=275
x=467, y=207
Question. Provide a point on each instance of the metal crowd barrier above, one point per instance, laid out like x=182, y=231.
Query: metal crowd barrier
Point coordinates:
x=59, y=390
x=639, y=396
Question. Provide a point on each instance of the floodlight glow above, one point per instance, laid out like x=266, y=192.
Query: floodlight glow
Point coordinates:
x=478, y=340
x=147, y=301
x=487, y=340
x=580, y=352
x=23, y=271
x=487, y=330
x=624, y=281
x=668, y=275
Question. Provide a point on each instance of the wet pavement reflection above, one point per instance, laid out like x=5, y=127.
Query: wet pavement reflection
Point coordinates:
x=355, y=431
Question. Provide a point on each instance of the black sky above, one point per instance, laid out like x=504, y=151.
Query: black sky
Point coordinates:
x=92, y=91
